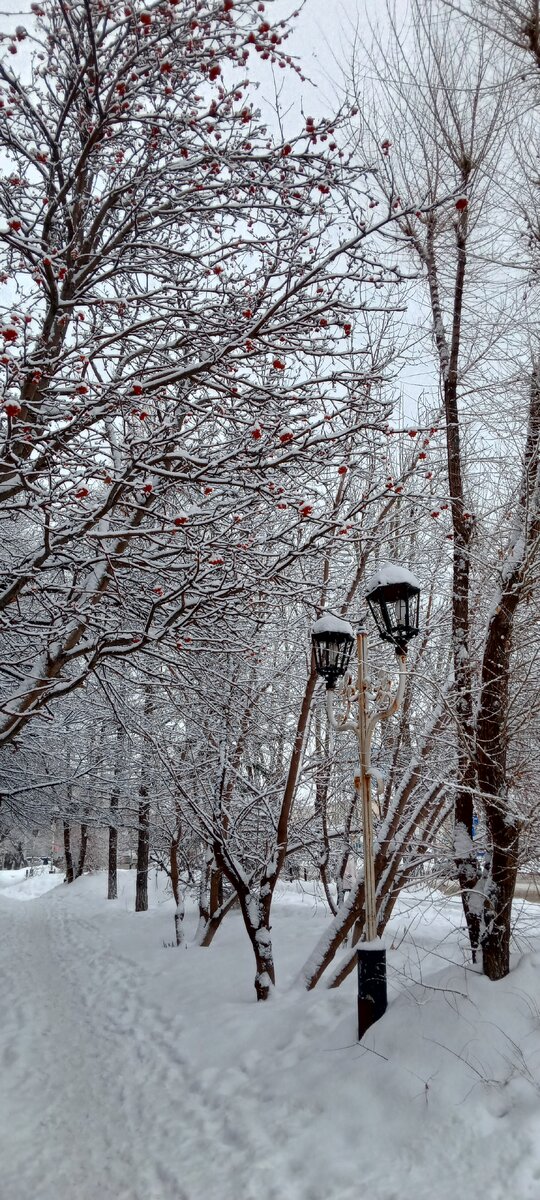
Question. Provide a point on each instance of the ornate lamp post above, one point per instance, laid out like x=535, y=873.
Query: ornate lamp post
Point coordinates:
x=393, y=596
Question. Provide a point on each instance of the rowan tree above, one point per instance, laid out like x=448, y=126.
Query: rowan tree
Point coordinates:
x=183, y=322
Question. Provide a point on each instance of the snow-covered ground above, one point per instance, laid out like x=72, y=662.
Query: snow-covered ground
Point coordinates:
x=21, y=885
x=136, y=1071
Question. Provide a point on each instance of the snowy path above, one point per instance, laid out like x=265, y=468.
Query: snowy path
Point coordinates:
x=95, y=1074
x=136, y=1072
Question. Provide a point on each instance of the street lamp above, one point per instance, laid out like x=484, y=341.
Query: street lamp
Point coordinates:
x=333, y=641
x=393, y=596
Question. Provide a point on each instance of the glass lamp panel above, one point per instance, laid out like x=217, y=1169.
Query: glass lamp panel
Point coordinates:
x=414, y=605
x=332, y=652
x=387, y=612
x=377, y=615
x=401, y=614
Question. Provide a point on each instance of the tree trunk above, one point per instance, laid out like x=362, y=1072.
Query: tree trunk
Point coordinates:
x=492, y=723
x=83, y=847
x=112, y=881
x=209, y=925
x=322, y=783
x=465, y=859
x=448, y=349
x=492, y=742
x=499, y=896
x=143, y=851
x=67, y=853
x=466, y=865
x=261, y=941
x=143, y=836
x=212, y=905
x=175, y=884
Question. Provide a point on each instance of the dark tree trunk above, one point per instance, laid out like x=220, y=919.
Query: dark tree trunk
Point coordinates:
x=322, y=783
x=448, y=348
x=216, y=888
x=70, y=875
x=503, y=827
x=112, y=881
x=143, y=851
x=492, y=723
x=143, y=836
x=466, y=865
x=259, y=929
x=213, y=907
x=498, y=901
x=83, y=847
x=346, y=851
x=261, y=941
x=175, y=884
x=112, y=877
x=204, y=933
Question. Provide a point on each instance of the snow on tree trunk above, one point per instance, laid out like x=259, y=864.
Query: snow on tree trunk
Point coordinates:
x=256, y=913
x=212, y=908
x=499, y=894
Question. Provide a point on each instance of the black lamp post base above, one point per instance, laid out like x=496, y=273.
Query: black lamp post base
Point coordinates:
x=372, y=995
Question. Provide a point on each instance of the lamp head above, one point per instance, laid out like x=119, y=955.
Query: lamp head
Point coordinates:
x=333, y=640
x=393, y=595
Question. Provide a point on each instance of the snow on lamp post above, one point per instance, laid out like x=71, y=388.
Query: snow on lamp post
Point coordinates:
x=393, y=596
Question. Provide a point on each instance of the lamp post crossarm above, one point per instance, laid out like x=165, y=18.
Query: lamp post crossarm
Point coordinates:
x=385, y=713
x=339, y=725
x=373, y=773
